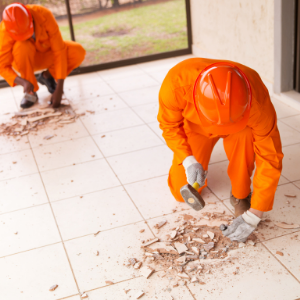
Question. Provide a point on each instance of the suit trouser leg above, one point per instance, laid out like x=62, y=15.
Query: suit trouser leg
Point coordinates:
x=240, y=153
x=202, y=148
x=24, y=60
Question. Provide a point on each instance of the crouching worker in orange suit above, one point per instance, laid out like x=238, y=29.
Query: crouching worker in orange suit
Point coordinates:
x=203, y=100
x=30, y=41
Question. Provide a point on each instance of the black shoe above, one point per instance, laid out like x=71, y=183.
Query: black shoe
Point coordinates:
x=29, y=100
x=48, y=82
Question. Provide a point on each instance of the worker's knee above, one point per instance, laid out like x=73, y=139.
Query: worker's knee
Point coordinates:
x=23, y=52
x=76, y=52
x=244, y=135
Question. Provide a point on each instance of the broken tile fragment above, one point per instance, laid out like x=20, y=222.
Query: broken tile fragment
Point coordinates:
x=287, y=226
x=196, y=250
x=194, y=279
x=138, y=265
x=97, y=231
x=198, y=240
x=208, y=246
x=173, y=234
x=160, y=224
x=132, y=261
x=181, y=260
x=96, y=252
x=242, y=245
x=150, y=242
x=180, y=247
x=142, y=230
x=211, y=234
x=250, y=242
x=139, y=295
x=126, y=291
x=84, y=295
x=183, y=275
x=279, y=253
x=53, y=287
x=146, y=271
x=109, y=282
x=205, y=235
x=48, y=137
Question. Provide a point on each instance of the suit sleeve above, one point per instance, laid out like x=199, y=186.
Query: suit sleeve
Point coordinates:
x=6, y=57
x=268, y=156
x=171, y=122
x=57, y=46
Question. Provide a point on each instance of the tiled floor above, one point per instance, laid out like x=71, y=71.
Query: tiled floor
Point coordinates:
x=108, y=172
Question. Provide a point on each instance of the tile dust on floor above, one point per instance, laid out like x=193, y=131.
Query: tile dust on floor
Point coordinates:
x=80, y=202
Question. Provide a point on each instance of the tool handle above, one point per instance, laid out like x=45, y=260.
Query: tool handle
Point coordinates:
x=196, y=186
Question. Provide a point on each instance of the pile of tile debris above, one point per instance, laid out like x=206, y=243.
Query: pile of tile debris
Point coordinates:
x=29, y=121
x=193, y=248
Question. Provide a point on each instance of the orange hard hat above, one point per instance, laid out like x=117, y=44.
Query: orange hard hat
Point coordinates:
x=222, y=97
x=18, y=21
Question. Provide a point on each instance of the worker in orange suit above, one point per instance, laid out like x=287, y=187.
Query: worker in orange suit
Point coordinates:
x=30, y=41
x=203, y=100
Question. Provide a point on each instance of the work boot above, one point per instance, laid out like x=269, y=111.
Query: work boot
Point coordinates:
x=240, y=205
x=29, y=100
x=48, y=82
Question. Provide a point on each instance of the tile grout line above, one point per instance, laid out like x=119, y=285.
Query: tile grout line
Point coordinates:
x=281, y=263
x=62, y=241
x=119, y=181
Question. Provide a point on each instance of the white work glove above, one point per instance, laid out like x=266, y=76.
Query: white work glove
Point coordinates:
x=194, y=171
x=242, y=227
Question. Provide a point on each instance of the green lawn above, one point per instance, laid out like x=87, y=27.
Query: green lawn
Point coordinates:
x=142, y=31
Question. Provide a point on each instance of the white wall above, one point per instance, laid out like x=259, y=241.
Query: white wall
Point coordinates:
x=238, y=30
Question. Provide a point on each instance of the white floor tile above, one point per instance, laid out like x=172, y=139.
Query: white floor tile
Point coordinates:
x=29, y=275
x=17, y=164
x=159, y=76
x=290, y=163
x=154, y=288
x=293, y=122
x=153, y=197
x=86, y=91
x=9, y=144
x=158, y=65
x=218, y=180
x=22, y=192
x=119, y=73
x=68, y=132
x=27, y=229
x=7, y=104
x=131, y=83
x=289, y=136
x=67, y=153
x=6, y=93
x=115, y=247
x=82, y=80
x=147, y=112
x=155, y=127
x=297, y=183
x=127, y=140
x=108, y=121
x=143, y=164
x=98, y=104
x=289, y=245
x=141, y=96
x=79, y=179
x=93, y=212
x=260, y=277
x=283, y=110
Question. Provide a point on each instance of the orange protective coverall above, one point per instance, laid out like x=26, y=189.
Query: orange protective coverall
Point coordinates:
x=259, y=142
x=47, y=51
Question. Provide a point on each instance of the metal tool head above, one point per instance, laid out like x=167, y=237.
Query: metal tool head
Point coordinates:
x=192, y=197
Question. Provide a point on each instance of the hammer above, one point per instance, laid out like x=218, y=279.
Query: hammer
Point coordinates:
x=191, y=196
